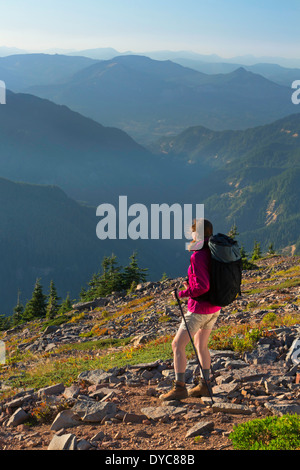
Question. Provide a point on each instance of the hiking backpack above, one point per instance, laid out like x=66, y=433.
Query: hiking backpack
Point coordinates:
x=225, y=272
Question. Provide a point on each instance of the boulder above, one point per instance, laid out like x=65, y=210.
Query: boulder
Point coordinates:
x=100, y=302
x=64, y=442
x=162, y=412
x=56, y=389
x=18, y=417
x=92, y=411
x=200, y=428
x=281, y=409
x=231, y=408
x=65, y=419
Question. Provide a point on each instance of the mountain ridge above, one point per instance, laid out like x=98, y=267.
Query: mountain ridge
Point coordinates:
x=254, y=181
x=147, y=98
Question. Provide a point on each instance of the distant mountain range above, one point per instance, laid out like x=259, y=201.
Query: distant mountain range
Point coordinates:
x=21, y=71
x=149, y=98
x=274, y=72
x=105, y=53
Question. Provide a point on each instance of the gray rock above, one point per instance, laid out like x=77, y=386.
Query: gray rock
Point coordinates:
x=65, y=419
x=83, y=445
x=71, y=392
x=100, y=302
x=50, y=329
x=95, y=377
x=250, y=374
x=17, y=402
x=18, y=417
x=162, y=412
x=262, y=355
x=281, y=409
x=64, y=442
x=200, y=428
x=143, y=338
x=93, y=412
x=231, y=408
x=51, y=390
x=98, y=437
x=101, y=393
x=50, y=346
x=235, y=364
x=228, y=389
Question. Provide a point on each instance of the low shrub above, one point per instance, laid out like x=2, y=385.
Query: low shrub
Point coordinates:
x=271, y=433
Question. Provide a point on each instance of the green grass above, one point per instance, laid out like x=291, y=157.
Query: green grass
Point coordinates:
x=101, y=344
x=288, y=283
x=66, y=369
x=271, y=433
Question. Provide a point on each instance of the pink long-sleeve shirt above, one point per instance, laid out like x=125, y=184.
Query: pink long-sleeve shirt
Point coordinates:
x=198, y=275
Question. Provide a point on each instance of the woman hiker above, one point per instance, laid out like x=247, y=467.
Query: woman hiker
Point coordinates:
x=200, y=317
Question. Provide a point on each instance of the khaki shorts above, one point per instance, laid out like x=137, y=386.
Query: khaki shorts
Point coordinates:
x=197, y=321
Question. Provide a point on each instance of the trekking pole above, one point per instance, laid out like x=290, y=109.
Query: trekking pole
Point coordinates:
x=191, y=339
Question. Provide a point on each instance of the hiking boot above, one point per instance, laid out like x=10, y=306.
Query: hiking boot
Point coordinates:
x=201, y=390
x=178, y=392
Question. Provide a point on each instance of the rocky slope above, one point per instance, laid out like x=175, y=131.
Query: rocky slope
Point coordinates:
x=118, y=408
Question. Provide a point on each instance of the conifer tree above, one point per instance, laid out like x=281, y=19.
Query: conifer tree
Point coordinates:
x=271, y=250
x=5, y=322
x=66, y=305
x=133, y=275
x=53, y=302
x=18, y=311
x=113, y=279
x=37, y=306
x=233, y=232
x=256, y=251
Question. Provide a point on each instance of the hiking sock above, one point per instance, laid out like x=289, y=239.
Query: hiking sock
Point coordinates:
x=180, y=377
x=205, y=374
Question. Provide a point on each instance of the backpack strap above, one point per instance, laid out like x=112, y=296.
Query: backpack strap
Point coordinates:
x=206, y=295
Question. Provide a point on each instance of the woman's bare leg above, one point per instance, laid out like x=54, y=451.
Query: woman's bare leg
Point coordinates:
x=178, y=345
x=201, y=339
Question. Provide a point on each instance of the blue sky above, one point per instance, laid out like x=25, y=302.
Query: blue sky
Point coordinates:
x=224, y=27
